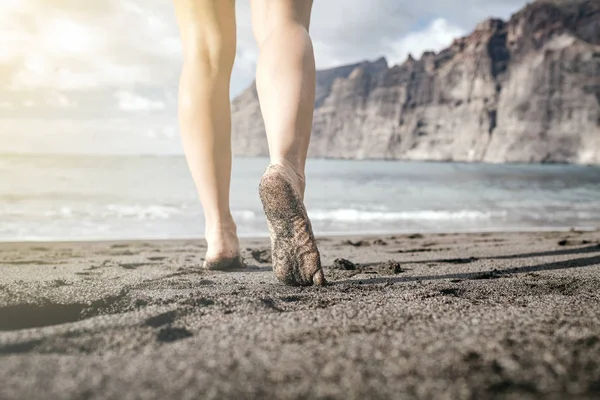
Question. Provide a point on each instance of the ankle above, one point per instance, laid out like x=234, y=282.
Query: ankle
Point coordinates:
x=295, y=172
x=221, y=240
x=220, y=227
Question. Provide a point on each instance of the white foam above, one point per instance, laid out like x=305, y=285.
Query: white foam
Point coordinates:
x=244, y=214
x=61, y=212
x=357, y=215
x=142, y=212
x=353, y=215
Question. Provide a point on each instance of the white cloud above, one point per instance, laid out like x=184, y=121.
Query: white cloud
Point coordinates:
x=90, y=136
x=78, y=46
x=59, y=100
x=73, y=45
x=67, y=37
x=86, y=63
x=438, y=35
x=132, y=102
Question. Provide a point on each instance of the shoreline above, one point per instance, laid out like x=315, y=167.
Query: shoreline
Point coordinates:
x=460, y=315
x=326, y=234
x=551, y=164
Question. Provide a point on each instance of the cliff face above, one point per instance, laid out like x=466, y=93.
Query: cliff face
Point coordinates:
x=526, y=90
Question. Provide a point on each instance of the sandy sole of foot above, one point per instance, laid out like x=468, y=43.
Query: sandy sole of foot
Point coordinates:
x=436, y=316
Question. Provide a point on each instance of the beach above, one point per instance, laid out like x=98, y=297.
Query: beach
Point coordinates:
x=444, y=316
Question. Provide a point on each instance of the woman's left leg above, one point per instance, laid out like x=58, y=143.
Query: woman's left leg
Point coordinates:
x=208, y=34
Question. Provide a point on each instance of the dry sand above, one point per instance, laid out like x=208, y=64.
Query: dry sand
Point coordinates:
x=462, y=316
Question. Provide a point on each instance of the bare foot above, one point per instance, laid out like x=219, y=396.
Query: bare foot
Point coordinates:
x=296, y=258
x=224, y=264
x=223, y=249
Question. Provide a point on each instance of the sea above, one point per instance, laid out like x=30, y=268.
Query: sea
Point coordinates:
x=96, y=197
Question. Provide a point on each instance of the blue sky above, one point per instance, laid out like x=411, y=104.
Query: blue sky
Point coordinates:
x=69, y=61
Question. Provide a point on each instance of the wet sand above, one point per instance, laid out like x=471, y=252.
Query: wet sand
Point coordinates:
x=460, y=316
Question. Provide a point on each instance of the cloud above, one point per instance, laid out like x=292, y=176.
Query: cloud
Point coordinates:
x=435, y=37
x=346, y=31
x=59, y=100
x=112, y=56
x=74, y=45
x=132, y=102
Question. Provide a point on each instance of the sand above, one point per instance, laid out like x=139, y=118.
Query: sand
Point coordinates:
x=456, y=316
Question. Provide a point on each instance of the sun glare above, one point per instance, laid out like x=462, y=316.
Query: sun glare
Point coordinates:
x=5, y=54
x=10, y=5
x=66, y=36
x=8, y=38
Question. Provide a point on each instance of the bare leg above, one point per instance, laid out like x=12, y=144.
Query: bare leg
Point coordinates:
x=285, y=81
x=208, y=35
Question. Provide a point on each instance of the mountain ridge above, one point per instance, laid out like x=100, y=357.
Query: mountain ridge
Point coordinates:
x=522, y=90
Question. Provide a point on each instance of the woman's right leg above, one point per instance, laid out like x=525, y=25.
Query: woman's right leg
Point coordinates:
x=285, y=82
x=285, y=79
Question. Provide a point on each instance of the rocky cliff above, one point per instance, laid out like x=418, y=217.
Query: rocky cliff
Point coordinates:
x=523, y=90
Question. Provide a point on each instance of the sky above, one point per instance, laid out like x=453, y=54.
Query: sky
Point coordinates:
x=64, y=63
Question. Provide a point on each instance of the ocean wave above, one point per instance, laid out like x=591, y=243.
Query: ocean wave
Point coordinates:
x=356, y=215
x=244, y=214
x=151, y=212
x=60, y=212
x=164, y=212
x=119, y=211
x=353, y=215
x=143, y=212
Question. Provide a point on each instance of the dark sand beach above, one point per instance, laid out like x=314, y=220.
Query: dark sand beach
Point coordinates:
x=455, y=316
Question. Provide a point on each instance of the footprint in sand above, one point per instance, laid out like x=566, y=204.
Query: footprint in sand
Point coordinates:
x=261, y=255
x=133, y=265
x=173, y=334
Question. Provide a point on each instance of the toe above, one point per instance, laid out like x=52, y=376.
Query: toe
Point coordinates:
x=226, y=264
x=319, y=278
